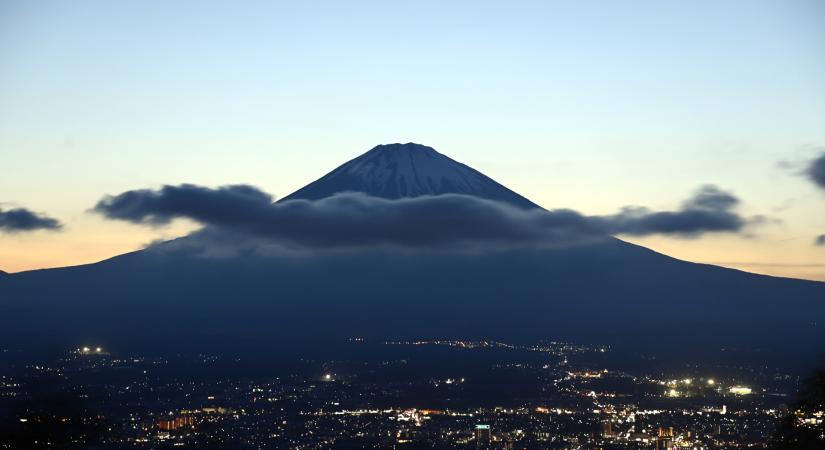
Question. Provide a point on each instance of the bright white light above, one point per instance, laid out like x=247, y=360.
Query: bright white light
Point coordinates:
x=740, y=390
x=711, y=382
x=98, y=350
x=327, y=377
x=85, y=349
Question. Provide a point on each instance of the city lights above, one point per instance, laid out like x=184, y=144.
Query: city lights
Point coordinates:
x=741, y=390
x=296, y=409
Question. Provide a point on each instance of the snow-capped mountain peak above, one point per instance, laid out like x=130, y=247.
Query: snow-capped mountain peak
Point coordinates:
x=408, y=170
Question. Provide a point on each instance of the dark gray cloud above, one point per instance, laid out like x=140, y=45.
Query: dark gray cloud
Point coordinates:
x=816, y=171
x=709, y=210
x=21, y=219
x=355, y=219
x=206, y=205
x=711, y=198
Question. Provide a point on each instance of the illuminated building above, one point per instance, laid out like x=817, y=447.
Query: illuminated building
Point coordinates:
x=664, y=439
x=483, y=436
x=176, y=423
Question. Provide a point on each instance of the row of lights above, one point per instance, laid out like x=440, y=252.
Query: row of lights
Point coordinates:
x=87, y=350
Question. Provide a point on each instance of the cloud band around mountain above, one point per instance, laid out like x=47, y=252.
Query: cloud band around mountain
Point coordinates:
x=18, y=220
x=356, y=219
x=348, y=219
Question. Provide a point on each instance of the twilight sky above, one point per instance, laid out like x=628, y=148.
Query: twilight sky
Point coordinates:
x=586, y=105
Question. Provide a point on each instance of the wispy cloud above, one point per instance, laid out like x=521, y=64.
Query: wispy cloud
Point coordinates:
x=766, y=264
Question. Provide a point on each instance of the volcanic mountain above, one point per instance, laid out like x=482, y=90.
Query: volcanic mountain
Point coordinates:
x=608, y=291
x=408, y=170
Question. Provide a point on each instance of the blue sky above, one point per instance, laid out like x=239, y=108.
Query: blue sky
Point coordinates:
x=587, y=105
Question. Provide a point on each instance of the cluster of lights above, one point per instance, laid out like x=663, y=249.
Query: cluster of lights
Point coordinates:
x=673, y=384
x=89, y=350
x=673, y=392
x=740, y=390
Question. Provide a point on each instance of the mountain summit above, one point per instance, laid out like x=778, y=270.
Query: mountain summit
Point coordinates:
x=408, y=170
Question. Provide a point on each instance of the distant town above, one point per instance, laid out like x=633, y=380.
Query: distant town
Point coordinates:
x=551, y=395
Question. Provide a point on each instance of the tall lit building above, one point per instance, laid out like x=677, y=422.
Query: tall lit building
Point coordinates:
x=176, y=423
x=664, y=440
x=484, y=436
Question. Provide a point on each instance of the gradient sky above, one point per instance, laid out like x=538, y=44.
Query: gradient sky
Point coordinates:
x=585, y=105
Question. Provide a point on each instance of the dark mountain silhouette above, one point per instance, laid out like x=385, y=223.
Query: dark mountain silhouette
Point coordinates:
x=605, y=291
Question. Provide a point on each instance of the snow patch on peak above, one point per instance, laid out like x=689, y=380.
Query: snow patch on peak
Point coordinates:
x=408, y=170
x=414, y=169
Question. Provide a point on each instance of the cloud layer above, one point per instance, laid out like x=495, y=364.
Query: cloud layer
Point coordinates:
x=348, y=219
x=21, y=219
x=356, y=219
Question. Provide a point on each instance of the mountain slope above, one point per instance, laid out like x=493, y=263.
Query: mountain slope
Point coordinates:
x=608, y=292
x=408, y=170
x=612, y=293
